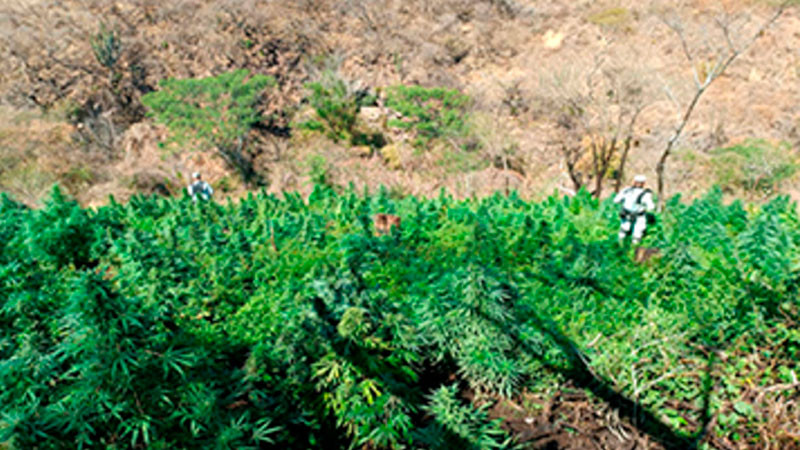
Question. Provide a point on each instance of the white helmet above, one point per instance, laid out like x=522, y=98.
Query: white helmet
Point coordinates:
x=196, y=175
x=640, y=179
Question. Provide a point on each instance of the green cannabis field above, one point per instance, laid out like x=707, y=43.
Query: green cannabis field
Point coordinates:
x=288, y=323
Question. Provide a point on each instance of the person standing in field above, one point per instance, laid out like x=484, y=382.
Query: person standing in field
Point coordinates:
x=199, y=188
x=636, y=202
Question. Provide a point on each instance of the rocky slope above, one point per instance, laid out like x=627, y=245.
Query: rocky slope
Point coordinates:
x=522, y=63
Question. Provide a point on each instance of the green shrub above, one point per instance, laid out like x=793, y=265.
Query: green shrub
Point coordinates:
x=756, y=166
x=212, y=112
x=319, y=170
x=337, y=105
x=459, y=425
x=287, y=322
x=611, y=17
x=432, y=113
x=107, y=47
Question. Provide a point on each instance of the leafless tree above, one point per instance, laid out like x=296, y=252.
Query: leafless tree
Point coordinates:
x=596, y=109
x=495, y=136
x=723, y=53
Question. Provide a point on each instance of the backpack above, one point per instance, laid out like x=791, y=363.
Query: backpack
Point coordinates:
x=650, y=217
x=200, y=188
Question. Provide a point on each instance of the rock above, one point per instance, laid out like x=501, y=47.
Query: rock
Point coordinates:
x=363, y=151
x=553, y=39
x=755, y=75
x=373, y=117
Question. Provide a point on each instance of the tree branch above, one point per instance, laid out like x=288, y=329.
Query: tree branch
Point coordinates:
x=678, y=29
x=715, y=73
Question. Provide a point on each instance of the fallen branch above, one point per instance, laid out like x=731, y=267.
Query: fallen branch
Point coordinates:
x=781, y=387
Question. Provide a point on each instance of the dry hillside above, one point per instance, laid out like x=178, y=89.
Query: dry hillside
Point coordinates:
x=552, y=85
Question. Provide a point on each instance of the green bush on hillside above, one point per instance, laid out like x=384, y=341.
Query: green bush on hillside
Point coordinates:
x=216, y=111
x=755, y=167
x=107, y=47
x=432, y=113
x=337, y=107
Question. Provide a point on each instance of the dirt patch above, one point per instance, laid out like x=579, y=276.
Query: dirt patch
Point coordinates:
x=570, y=419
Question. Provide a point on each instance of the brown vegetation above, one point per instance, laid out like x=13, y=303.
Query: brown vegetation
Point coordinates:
x=569, y=419
x=384, y=223
x=596, y=107
x=644, y=254
x=564, y=93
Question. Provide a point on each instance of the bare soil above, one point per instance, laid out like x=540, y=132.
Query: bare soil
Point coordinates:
x=569, y=420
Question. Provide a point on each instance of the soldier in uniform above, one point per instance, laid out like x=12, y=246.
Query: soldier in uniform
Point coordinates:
x=199, y=188
x=636, y=202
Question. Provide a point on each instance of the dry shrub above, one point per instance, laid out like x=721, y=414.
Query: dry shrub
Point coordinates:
x=383, y=223
x=48, y=43
x=427, y=43
x=498, y=144
x=399, y=156
x=37, y=151
x=594, y=111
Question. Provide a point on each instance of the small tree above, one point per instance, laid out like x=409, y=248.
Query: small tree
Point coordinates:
x=498, y=144
x=596, y=111
x=215, y=111
x=107, y=49
x=724, y=53
x=337, y=103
